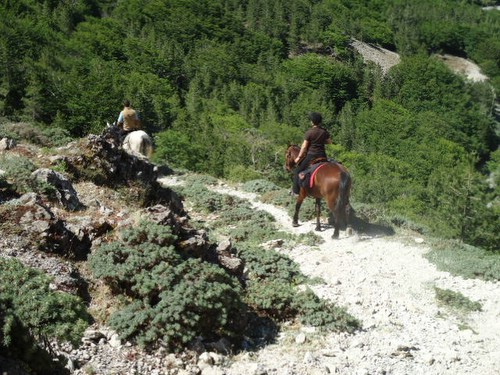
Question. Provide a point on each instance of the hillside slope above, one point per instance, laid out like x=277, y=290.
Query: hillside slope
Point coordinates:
x=385, y=282
x=389, y=286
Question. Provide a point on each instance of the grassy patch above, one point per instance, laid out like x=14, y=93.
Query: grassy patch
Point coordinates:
x=456, y=301
x=463, y=260
x=260, y=186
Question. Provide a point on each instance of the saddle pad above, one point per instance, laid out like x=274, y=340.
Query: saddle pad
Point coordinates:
x=311, y=181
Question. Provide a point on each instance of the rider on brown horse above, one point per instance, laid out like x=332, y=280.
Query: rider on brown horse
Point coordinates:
x=313, y=148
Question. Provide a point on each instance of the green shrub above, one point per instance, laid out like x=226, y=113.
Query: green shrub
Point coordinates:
x=17, y=172
x=269, y=264
x=272, y=277
x=456, y=301
x=171, y=298
x=272, y=297
x=32, y=313
x=242, y=211
x=272, y=289
x=204, y=199
x=251, y=232
x=318, y=312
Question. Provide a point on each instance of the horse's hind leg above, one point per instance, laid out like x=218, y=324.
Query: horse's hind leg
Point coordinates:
x=336, y=232
x=318, y=213
x=333, y=219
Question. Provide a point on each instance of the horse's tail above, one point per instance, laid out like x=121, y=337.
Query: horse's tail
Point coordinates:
x=342, y=204
x=146, y=146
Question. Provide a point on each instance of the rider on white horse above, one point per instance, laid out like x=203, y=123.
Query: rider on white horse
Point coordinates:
x=132, y=138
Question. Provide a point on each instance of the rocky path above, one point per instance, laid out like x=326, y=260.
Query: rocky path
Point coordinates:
x=388, y=285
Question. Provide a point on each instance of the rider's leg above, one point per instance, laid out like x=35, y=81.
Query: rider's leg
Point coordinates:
x=300, y=167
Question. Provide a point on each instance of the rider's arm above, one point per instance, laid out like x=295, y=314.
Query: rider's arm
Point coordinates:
x=303, y=150
x=119, y=122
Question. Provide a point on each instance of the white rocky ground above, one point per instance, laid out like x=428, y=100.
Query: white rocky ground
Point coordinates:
x=388, y=285
x=383, y=57
x=386, y=59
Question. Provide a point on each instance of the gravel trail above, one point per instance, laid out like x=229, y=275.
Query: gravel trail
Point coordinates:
x=387, y=284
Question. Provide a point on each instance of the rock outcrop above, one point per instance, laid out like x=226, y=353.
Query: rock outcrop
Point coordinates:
x=102, y=190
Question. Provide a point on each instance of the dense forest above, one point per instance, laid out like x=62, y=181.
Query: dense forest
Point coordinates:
x=225, y=85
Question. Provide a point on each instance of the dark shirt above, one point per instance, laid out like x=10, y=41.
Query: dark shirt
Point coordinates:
x=317, y=137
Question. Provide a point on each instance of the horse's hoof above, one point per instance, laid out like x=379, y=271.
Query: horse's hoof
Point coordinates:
x=317, y=229
x=295, y=224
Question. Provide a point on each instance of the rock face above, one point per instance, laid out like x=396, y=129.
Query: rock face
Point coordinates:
x=66, y=194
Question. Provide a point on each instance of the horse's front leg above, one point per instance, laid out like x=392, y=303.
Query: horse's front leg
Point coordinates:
x=300, y=199
x=318, y=214
x=295, y=221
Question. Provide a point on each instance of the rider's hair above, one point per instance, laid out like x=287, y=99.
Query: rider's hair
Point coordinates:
x=126, y=103
x=315, y=117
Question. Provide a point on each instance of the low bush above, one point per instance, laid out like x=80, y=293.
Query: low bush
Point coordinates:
x=318, y=312
x=456, y=301
x=271, y=282
x=17, y=170
x=205, y=200
x=269, y=264
x=200, y=179
x=275, y=298
x=32, y=314
x=171, y=298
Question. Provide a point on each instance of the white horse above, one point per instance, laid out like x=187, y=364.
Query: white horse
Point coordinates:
x=138, y=142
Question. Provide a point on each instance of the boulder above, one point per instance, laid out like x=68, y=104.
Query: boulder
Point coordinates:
x=7, y=144
x=65, y=193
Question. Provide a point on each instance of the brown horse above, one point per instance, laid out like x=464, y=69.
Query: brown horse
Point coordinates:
x=332, y=182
